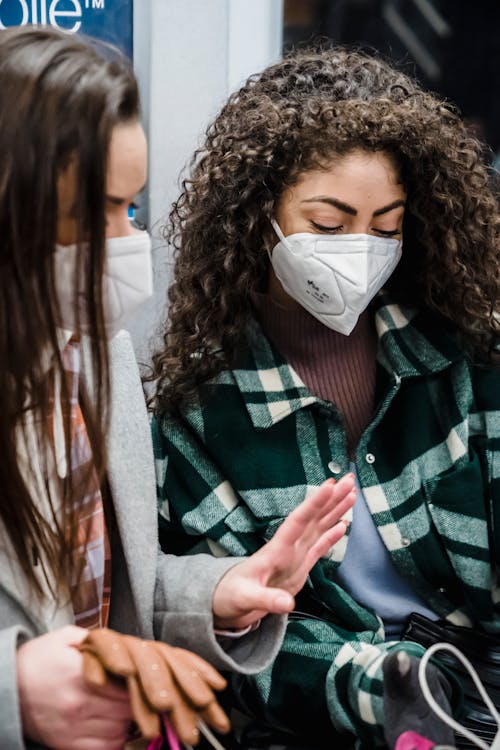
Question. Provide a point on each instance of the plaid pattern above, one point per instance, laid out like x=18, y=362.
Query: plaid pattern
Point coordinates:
x=91, y=589
x=230, y=470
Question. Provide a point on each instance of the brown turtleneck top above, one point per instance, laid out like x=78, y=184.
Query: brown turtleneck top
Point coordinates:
x=337, y=368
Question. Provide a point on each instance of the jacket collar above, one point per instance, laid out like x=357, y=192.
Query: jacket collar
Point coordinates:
x=270, y=388
x=411, y=344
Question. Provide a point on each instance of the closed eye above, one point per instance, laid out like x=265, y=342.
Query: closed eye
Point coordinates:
x=322, y=228
x=387, y=233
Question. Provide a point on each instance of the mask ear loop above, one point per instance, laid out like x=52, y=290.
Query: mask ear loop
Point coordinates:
x=422, y=678
x=281, y=237
x=278, y=231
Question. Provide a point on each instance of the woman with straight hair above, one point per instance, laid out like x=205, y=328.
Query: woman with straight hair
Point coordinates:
x=335, y=309
x=78, y=520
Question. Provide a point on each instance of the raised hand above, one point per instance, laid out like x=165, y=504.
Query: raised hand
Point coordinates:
x=268, y=580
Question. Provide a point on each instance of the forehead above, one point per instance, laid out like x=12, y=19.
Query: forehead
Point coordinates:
x=356, y=178
x=127, y=161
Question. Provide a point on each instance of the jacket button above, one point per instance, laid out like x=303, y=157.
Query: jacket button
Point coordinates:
x=334, y=467
x=405, y=542
x=370, y=458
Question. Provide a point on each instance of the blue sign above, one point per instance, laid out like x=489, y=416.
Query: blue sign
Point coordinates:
x=109, y=20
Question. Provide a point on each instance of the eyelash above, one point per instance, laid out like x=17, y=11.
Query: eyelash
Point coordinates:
x=321, y=228
x=134, y=205
x=383, y=232
x=389, y=233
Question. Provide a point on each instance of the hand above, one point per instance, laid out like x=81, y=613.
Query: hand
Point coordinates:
x=58, y=708
x=160, y=679
x=268, y=580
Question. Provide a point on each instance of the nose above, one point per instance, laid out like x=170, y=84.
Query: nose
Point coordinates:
x=360, y=225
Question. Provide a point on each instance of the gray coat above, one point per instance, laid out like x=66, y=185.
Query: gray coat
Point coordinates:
x=153, y=594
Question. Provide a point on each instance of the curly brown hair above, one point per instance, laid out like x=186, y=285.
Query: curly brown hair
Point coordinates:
x=299, y=115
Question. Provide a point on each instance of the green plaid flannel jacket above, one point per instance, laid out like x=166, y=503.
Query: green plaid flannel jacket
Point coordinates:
x=230, y=470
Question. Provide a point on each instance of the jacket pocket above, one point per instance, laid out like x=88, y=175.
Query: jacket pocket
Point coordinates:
x=458, y=505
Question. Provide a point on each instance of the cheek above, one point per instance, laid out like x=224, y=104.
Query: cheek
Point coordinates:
x=66, y=231
x=118, y=223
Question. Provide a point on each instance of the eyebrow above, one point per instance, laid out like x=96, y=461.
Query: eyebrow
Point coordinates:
x=346, y=208
x=395, y=204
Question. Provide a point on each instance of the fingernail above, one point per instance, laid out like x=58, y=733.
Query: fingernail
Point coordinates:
x=331, y=480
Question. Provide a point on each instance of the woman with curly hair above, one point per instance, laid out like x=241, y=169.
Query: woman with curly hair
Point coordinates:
x=335, y=308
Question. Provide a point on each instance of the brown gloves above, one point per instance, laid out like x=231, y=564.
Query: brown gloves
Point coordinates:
x=160, y=679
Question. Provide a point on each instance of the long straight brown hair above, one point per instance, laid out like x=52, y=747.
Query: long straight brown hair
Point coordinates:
x=60, y=98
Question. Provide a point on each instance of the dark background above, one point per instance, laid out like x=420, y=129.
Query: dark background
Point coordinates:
x=451, y=46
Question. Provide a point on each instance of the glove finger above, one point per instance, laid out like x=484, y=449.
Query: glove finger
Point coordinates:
x=215, y=717
x=93, y=671
x=153, y=673
x=146, y=719
x=185, y=722
x=196, y=692
x=111, y=650
x=209, y=674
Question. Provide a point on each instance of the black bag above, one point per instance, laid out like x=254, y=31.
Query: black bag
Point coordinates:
x=483, y=652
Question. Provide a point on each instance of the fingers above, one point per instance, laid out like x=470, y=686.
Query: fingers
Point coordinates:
x=325, y=498
x=324, y=503
x=323, y=544
x=93, y=671
x=313, y=509
x=153, y=674
x=215, y=717
x=111, y=650
x=160, y=679
x=211, y=676
x=184, y=719
x=175, y=681
x=333, y=516
x=188, y=679
x=145, y=717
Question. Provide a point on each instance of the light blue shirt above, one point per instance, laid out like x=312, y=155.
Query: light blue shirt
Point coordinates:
x=368, y=574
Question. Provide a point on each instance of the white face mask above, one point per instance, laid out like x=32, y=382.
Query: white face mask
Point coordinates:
x=334, y=277
x=127, y=281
